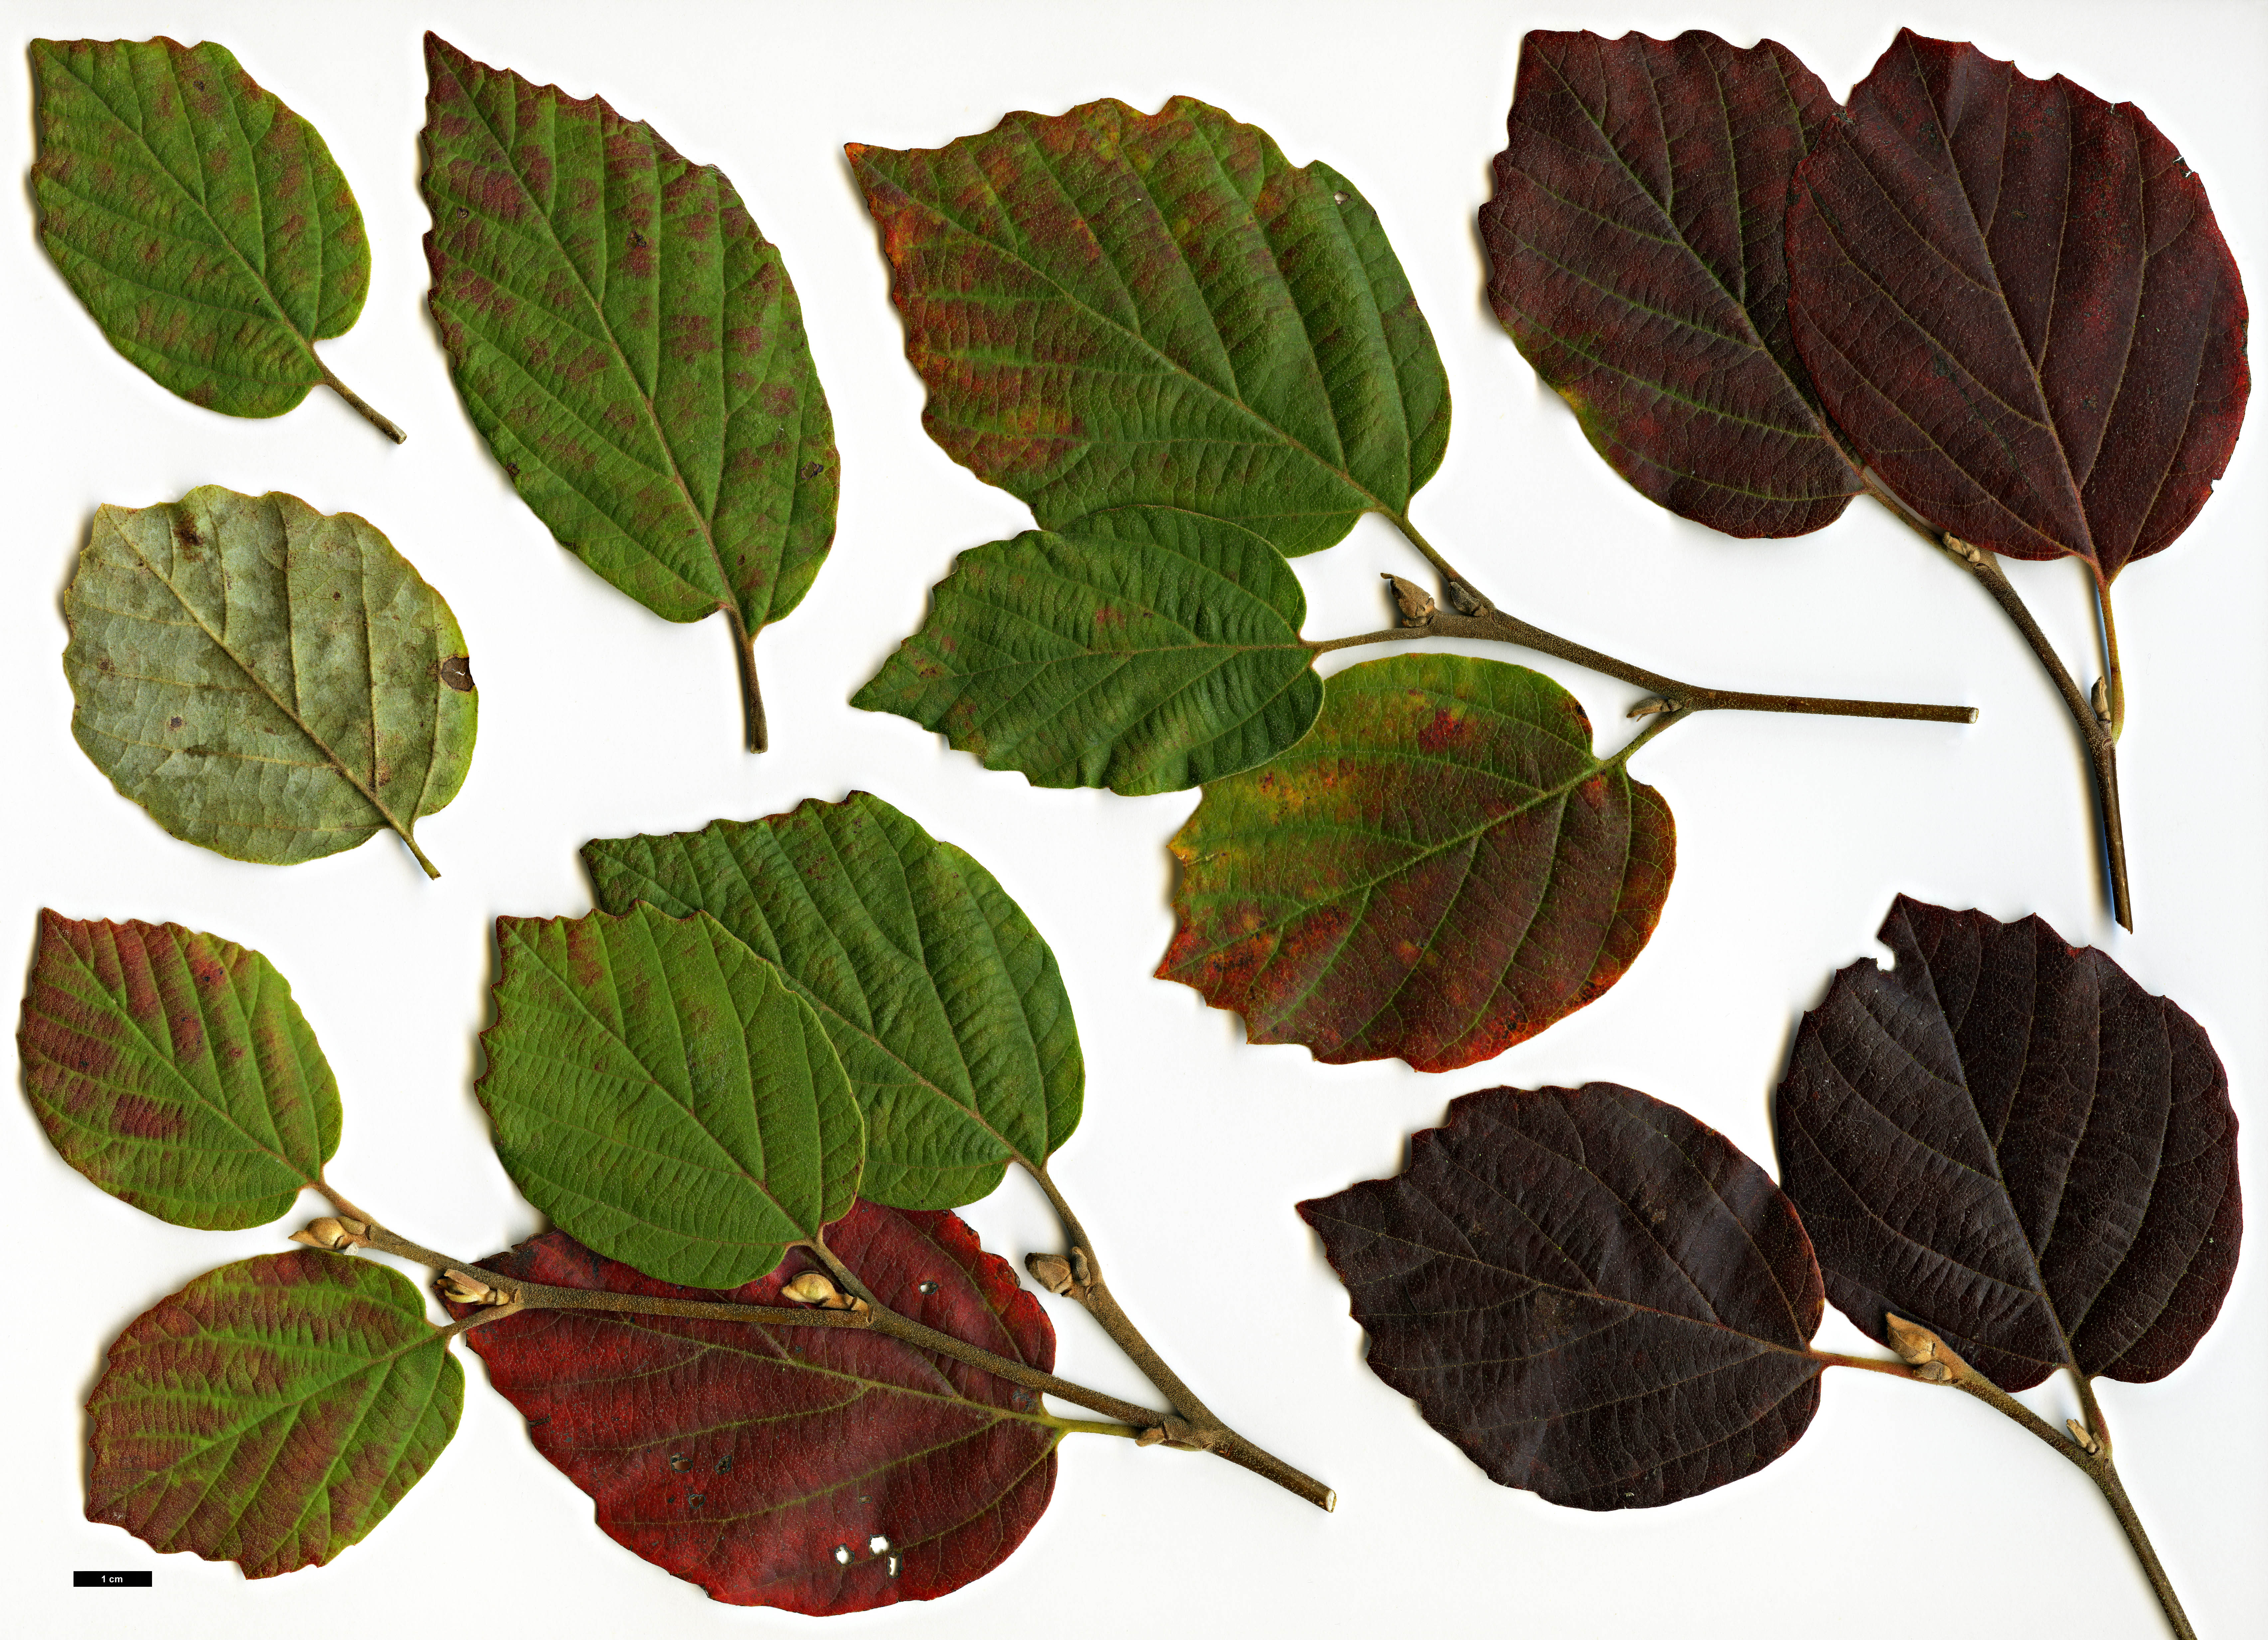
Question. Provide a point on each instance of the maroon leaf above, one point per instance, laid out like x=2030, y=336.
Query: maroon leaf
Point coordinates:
x=818, y=1470
x=2011, y=1143
x=1637, y=258
x=2016, y=303
x=1595, y=1296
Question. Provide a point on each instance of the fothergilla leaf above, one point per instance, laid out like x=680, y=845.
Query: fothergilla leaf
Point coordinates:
x=1637, y=256
x=630, y=347
x=817, y=1470
x=1144, y=648
x=943, y=1001
x=1442, y=868
x=269, y=681
x=271, y=1412
x=2018, y=307
x=203, y=224
x=1592, y=1295
x=1111, y=308
x=662, y=1095
x=174, y=1071
x=2010, y=1142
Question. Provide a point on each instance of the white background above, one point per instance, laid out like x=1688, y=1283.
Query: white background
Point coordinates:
x=1904, y=1511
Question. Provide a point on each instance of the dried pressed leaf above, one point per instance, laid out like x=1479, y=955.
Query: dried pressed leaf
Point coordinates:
x=174, y=1071
x=944, y=1003
x=630, y=347
x=1144, y=648
x=1592, y=1295
x=1113, y=308
x=202, y=223
x=2010, y=1142
x=269, y=681
x=1442, y=869
x=1637, y=254
x=271, y=1412
x=2018, y=307
x=659, y=1092
x=817, y=1470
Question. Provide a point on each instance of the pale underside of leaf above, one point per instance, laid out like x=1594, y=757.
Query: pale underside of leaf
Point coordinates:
x=629, y=344
x=1637, y=253
x=1442, y=869
x=1143, y=649
x=271, y=682
x=174, y=1071
x=1110, y=308
x=271, y=1412
x=944, y=1003
x=658, y=1092
x=203, y=224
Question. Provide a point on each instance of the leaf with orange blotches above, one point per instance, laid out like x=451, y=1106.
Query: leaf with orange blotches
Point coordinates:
x=1442, y=868
x=174, y=1069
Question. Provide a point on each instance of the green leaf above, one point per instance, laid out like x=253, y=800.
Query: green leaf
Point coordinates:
x=663, y=1096
x=1443, y=868
x=174, y=1071
x=1143, y=649
x=1113, y=308
x=631, y=348
x=943, y=1001
x=271, y=1412
x=269, y=681
x=202, y=223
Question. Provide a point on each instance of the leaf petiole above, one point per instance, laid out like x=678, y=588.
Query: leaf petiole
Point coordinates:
x=362, y=406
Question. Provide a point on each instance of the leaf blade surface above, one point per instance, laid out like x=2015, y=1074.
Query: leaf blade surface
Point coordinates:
x=817, y=1470
x=1637, y=253
x=1110, y=308
x=1595, y=1296
x=1442, y=868
x=2008, y=1140
x=946, y=1005
x=660, y=1093
x=271, y=1412
x=269, y=681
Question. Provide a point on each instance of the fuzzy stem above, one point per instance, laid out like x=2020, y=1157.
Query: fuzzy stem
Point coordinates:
x=752, y=699
x=362, y=406
x=2114, y=678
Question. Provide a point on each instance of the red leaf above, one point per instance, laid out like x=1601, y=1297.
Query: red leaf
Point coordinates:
x=1595, y=1296
x=817, y=1470
x=1634, y=240
x=2011, y=1143
x=2016, y=305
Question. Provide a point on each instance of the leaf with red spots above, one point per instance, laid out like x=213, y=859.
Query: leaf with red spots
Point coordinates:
x=271, y=1412
x=1442, y=868
x=2010, y=1142
x=174, y=1071
x=1592, y=1295
x=820, y=1470
x=1637, y=258
x=2017, y=306
x=203, y=224
x=1113, y=308
x=630, y=347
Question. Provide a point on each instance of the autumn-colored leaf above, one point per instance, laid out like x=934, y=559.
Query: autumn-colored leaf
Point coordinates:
x=1637, y=255
x=944, y=1003
x=660, y=1093
x=1592, y=1295
x=630, y=346
x=1113, y=308
x=269, y=681
x=2017, y=306
x=271, y=1412
x=174, y=1071
x=1442, y=869
x=203, y=224
x=1144, y=648
x=820, y=1470
x=2010, y=1142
